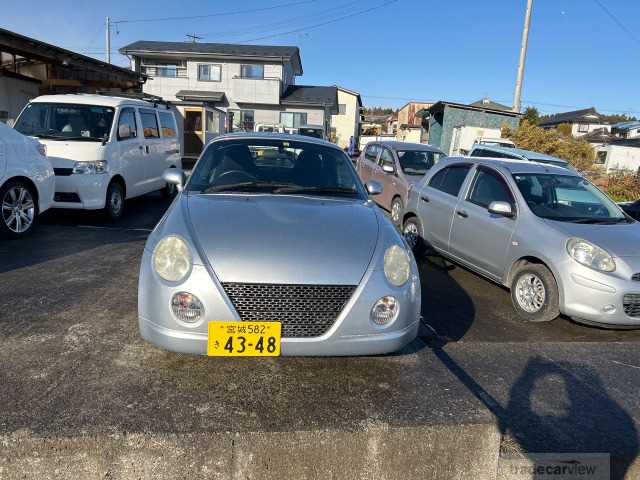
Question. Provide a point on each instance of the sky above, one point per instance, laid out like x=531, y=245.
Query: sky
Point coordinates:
x=582, y=53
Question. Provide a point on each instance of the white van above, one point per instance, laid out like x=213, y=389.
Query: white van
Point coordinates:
x=103, y=149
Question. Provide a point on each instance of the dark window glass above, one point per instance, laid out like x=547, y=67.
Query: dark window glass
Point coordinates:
x=167, y=124
x=478, y=152
x=293, y=119
x=386, y=158
x=149, y=124
x=489, y=187
x=128, y=117
x=450, y=179
x=252, y=71
x=371, y=153
x=417, y=162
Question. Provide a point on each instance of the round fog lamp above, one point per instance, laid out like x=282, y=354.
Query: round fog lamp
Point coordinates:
x=385, y=311
x=186, y=307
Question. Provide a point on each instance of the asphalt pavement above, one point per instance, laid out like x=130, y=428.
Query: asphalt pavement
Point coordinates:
x=72, y=363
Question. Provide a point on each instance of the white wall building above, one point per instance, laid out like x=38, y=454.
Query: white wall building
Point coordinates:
x=619, y=156
x=346, y=123
x=224, y=87
x=582, y=122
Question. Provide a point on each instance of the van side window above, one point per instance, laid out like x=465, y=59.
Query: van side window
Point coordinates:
x=488, y=186
x=149, y=124
x=167, y=124
x=128, y=117
x=479, y=152
x=450, y=179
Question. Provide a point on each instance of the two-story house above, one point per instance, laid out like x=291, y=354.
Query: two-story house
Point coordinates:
x=581, y=122
x=225, y=87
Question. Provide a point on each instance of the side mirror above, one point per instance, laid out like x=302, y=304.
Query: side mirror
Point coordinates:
x=386, y=168
x=501, y=208
x=175, y=176
x=124, y=132
x=373, y=187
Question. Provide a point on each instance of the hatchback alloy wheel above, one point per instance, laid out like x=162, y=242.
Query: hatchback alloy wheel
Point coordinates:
x=18, y=209
x=530, y=293
x=411, y=234
x=396, y=210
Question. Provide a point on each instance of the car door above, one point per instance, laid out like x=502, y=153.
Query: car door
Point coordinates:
x=478, y=237
x=130, y=151
x=438, y=201
x=152, y=149
x=389, y=180
x=169, y=154
x=368, y=161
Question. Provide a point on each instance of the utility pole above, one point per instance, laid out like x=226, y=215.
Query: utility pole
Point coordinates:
x=108, y=39
x=194, y=37
x=523, y=56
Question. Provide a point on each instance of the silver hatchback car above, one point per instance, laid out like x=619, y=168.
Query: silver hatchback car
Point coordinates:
x=273, y=247
x=555, y=240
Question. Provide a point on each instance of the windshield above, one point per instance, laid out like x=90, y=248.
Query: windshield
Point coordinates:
x=66, y=121
x=416, y=162
x=311, y=132
x=492, y=143
x=567, y=198
x=275, y=167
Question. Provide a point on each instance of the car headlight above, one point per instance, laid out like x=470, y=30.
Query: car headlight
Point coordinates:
x=397, y=266
x=172, y=258
x=99, y=166
x=590, y=255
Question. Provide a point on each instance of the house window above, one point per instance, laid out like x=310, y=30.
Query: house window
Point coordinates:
x=209, y=73
x=252, y=71
x=156, y=68
x=583, y=127
x=601, y=157
x=293, y=119
x=243, y=120
x=342, y=109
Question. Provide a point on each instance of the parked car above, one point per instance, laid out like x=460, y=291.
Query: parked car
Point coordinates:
x=26, y=182
x=285, y=244
x=554, y=239
x=631, y=208
x=487, y=151
x=315, y=131
x=397, y=166
x=495, y=142
x=103, y=149
x=269, y=128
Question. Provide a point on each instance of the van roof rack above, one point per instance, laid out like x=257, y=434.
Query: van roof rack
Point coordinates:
x=147, y=97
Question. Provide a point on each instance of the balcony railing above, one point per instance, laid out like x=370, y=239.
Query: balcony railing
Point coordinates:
x=256, y=90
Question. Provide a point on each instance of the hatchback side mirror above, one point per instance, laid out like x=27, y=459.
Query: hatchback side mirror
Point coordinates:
x=386, y=168
x=501, y=208
x=175, y=176
x=373, y=187
x=124, y=132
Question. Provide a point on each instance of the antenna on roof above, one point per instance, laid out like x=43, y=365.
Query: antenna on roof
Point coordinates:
x=194, y=37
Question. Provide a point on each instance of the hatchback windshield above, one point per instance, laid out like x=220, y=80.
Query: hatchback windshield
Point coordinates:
x=567, y=198
x=66, y=121
x=275, y=167
x=416, y=162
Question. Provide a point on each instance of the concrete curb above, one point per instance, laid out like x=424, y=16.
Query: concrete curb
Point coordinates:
x=375, y=452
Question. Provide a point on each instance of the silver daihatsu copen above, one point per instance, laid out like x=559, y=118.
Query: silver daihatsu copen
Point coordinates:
x=554, y=239
x=273, y=247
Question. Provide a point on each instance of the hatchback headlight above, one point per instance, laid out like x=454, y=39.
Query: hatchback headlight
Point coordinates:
x=99, y=166
x=172, y=258
x=397, y=266
x=590, y=255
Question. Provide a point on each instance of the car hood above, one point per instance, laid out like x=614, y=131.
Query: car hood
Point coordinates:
x=284, y=239
x=64, y=154
x=620, y=240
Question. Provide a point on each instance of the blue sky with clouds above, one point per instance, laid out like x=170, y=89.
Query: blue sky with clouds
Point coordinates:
x=397, y=50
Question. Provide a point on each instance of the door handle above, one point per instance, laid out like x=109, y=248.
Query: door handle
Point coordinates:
x=462, y=213
x=146, y=148
x=424, y=198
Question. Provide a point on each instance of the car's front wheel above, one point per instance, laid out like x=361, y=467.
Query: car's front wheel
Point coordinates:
x=19, y=210
x=412, y=231
x=114, y=207
x=534, y=293
x=396, y=211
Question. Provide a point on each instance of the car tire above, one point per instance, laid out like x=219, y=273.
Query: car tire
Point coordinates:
x=396, y=211
x=169, y=191
x=19, y=209
x=412, y=232
x=534, y=293
x=114, y=202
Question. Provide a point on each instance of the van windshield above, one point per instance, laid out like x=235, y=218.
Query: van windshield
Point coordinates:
x=567, y=198
x=66, y=121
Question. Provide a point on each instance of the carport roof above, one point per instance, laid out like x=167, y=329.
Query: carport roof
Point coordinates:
x=200, y=95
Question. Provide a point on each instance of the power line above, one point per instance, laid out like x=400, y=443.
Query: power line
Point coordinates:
x=219, y=14
x=617, y=21
x=322, y=24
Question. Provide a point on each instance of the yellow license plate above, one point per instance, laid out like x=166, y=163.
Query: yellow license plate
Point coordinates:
x=244, y=339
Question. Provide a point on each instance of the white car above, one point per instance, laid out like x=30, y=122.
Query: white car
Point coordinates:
x=103, y=149
x=26, y=182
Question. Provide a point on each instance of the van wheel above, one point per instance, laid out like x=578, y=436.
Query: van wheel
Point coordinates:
x=396, y=211
x=534, y=293
x=19, y=210
x=114, y=206
x=412, y=231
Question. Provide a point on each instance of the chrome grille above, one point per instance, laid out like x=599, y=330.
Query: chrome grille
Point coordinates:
x=636, y=277
x=303, y=310
x=631, y=304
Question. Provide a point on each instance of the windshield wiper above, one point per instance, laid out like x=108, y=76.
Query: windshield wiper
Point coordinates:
x=320, y=190
x=250, y=186
x=603, y=221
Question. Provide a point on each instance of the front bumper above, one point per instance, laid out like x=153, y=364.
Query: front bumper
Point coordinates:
x=89, y=191
x=596, y=297
x=351, y=334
